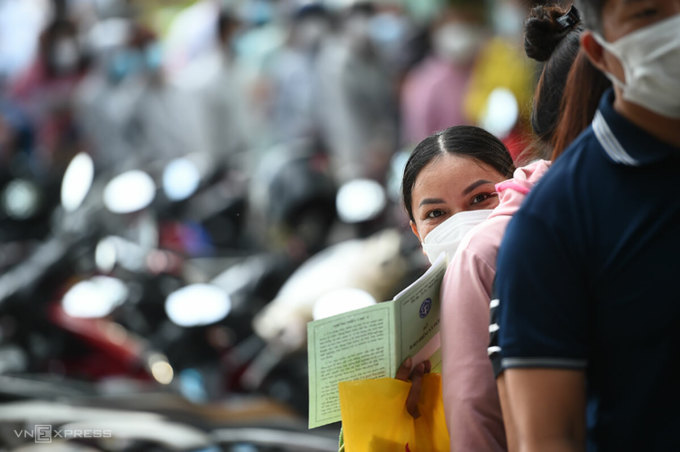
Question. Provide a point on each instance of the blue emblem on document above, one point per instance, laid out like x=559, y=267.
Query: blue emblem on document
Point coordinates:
x=425, y=308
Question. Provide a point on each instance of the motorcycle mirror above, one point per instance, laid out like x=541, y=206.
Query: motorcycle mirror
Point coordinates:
x=129, y=192
x=341, y=300
x=95, y=297
x=181, y=178
x=77, y=181
x=197, y=305
x=360, y=200
x=501, y=113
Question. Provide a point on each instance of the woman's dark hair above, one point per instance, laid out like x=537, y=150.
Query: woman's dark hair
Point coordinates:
x=464, y=141
x=577, y=108
x=551, y=36
x=562, y=109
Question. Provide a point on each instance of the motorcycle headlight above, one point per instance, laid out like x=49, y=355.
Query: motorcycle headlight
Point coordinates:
x=197, y=305
x=129, y=192
x=95, y=297
x=21, y=199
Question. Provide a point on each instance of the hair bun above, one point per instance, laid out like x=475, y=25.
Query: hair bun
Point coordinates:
x=545, y=27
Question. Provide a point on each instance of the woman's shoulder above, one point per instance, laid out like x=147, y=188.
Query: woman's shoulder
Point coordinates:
x=472, y=270
x=480, y=246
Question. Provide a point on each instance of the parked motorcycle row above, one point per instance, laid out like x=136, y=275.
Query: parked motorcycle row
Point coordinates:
x=154, y=286
x=138, y=286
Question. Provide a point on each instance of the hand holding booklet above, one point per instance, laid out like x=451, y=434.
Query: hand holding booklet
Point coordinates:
x=372, y=342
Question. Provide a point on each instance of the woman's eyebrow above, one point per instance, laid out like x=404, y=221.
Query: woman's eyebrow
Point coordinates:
x=430, y=201
x=474, y=185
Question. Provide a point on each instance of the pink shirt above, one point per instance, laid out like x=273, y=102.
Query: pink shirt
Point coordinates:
x=471, y=404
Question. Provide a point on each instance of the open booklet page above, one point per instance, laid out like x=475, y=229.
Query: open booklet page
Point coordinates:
x=372, y=342
x=418, y=308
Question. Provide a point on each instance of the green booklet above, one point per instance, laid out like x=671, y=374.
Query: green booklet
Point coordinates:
x=372, y=342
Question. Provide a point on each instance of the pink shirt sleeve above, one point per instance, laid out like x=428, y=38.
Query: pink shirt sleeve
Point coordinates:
x=472, y=407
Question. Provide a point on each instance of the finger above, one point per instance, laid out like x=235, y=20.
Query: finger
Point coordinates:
x=404, y=370
x=414, y=392
x=428, y=366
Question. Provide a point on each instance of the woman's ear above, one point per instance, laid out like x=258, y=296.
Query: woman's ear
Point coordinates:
x=594, y=50
x=414, y=229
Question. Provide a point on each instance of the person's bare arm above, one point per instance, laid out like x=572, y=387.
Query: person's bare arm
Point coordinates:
x=508, y=421
x=547, y=408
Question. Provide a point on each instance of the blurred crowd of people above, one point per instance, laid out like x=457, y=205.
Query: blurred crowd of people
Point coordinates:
x=232, y=81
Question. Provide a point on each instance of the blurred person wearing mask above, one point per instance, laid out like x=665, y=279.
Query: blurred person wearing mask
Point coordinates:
x=44, y=90
x=587, y=311
x=215, y=42
x=356, y=101
x=290, y=75
x=162, y=124
x=133, y=115
x=395, y=37
x=217, y=89
x=101, y=103
x=433, y=92
x=502, y=64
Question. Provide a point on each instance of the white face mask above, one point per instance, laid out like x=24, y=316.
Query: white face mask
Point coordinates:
x=650, y=58
x=457, y=42
x=446, y=237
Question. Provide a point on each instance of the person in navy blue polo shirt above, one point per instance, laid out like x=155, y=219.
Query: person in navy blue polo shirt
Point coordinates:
x=588, y=305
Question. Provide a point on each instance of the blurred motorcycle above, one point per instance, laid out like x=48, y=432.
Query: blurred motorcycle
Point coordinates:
x=38, y=413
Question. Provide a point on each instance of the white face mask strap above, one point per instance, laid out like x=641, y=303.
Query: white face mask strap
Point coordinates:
x=608, y=46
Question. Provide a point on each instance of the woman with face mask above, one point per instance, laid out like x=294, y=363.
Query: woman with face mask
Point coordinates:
x=448, y=188
x=434, y=89
x=449, y=185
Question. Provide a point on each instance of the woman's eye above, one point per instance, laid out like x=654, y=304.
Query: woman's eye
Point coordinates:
x=481, y=197
x=435, y=213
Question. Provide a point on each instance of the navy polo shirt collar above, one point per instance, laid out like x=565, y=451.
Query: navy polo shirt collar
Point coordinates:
x=624, y=142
